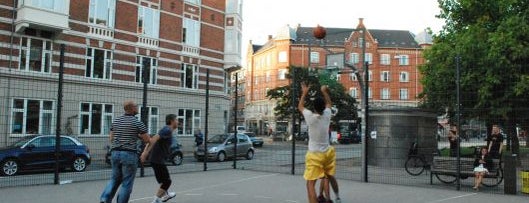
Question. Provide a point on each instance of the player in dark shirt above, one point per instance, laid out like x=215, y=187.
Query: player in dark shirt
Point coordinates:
x=495, y=142
x=159, y=148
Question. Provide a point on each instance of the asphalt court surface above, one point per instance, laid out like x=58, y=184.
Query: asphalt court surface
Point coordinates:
x=223, y=186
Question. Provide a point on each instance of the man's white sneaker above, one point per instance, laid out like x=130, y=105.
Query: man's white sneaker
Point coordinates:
x=168, y=196
x=156, y=200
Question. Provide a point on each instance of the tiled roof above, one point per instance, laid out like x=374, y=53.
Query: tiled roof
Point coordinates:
x=394, y=38
x=335, y=36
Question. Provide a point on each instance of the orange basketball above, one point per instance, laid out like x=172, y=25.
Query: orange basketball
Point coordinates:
x=319, y=32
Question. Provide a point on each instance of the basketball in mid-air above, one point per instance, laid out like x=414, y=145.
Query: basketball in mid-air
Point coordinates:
x=319, y=32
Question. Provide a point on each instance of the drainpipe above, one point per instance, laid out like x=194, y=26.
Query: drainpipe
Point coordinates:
x=8, y=95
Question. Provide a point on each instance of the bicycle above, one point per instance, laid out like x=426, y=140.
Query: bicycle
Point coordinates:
x=416, y=163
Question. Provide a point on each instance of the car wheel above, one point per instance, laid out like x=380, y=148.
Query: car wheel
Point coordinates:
x=177, y=159
x=79, y=164
x=10, y=167
x=249, y=155
x=221, y=156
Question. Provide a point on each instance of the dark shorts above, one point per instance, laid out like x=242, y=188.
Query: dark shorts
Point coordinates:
x=160, y=172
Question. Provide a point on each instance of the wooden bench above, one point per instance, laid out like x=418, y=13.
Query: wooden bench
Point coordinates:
x=445, y=169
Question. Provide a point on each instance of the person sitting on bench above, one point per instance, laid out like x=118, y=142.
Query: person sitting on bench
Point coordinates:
x=482, y=162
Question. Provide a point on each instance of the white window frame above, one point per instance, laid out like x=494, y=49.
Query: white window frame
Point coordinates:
x=369, y=58
x=196, y=2
x=45, y=52
x=354, y=92
x=404, y=76
x=404, y=60
x=196, y=122
x=151, y=119
x=110, y=6
x=194, y=78
x=353, y=77
x=58, y=6
x=24, y=111
x=385, y=59
x=155, y=22
x=353, y=58
x=268, y=76
x=104, y=128
x=369, y=93
x=282, y=57
x=403, y=96
x=385, y=76
x=107, y=62
x=370, y=76
x=191, y=32
x=385, y=94
x=314, y=57
x=153, y=79
x=282, y=74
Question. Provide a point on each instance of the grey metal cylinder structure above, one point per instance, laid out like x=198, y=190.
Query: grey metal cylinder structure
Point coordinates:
x=396, y=128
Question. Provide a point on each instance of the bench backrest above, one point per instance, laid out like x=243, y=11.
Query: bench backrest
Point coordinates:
x=467, y=164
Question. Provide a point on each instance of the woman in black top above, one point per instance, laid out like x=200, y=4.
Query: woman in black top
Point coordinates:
x=482, y=162
x=495, y=142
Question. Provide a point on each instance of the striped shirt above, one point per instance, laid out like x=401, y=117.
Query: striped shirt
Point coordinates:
x=127, y=129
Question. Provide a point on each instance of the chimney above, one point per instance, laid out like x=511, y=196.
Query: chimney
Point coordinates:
x=269, y=37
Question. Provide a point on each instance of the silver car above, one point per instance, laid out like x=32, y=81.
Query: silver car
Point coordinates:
x=221, y=147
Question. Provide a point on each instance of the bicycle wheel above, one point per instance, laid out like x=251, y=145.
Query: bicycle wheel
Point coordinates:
x=492, y=182
x=414, y=166
x=447, y=179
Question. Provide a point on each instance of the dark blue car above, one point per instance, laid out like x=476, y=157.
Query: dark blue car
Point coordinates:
x=38, y=153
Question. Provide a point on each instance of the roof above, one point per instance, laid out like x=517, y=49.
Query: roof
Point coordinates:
x=256, y=47
x=335, y=36
x=424, y=37
x=394, y=38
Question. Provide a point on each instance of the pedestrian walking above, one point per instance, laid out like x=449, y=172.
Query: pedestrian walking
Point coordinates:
x=495, y=142
x=125, y=132
x=199, y=138
x=320, y=160
x=158, y=149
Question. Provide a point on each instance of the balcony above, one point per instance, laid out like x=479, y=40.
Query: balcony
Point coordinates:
x=190, y=50
x=147, y=41
x=100, y=31
x=43, y=15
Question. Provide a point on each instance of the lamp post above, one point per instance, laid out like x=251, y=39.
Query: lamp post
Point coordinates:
x=320, y=33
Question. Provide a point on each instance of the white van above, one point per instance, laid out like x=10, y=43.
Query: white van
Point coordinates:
x=241, y=129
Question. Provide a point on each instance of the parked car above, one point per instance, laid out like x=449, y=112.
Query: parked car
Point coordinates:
x=256, y=141
x=349, y=137
x=280, y=136
x=176, y=158
x=221, y=147
x=241, y=129
x=38, y=153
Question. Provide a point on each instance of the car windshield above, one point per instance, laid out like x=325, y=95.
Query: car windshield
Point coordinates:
x=217, y=139
x=21, y=142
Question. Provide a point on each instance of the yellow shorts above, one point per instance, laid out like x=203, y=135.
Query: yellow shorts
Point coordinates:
x=319, y=164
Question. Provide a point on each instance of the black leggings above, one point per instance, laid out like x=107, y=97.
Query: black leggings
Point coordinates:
x=162, y=175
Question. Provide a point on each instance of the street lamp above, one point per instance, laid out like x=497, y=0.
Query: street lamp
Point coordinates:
x=320, y=33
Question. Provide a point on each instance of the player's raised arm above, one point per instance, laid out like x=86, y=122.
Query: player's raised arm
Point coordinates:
x=304, y=92
x=326, y=96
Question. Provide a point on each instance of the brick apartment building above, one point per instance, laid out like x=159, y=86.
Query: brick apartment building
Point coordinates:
x=108, y=44
x=266, y=67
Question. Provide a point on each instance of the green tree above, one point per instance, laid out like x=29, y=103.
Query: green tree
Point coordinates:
x=341, y=100
x=491, y=37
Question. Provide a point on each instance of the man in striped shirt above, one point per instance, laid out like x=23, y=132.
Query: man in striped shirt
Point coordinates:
x=124, y=134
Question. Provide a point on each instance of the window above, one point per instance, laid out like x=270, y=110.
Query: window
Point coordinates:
x=95, y=118
x=354, y=58
x=43, y=142
x=98, y=63
x=32, y=117
x=148, y=64
x=384, y=76
x=52, y=5
x=314, y=57
x=354, y=92
x=282, y=74
x=360, y=42
x=152, y=119
x=404, y=77
x=148, y=22
x=197, y=2
x=189, y=120
x=385, y=93
x=189, y=76
x=191, y=32
x=102, y=12
x=403, y=94
x=282, y=57
x=268, y=77
x=385, y=59
x=35, y=55
x=370, y=76
x=369, y=58
x=353, y=77
x=369, y=93
x=404, y=60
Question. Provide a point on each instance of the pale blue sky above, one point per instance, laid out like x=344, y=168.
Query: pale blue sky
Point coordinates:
x=264, y=17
